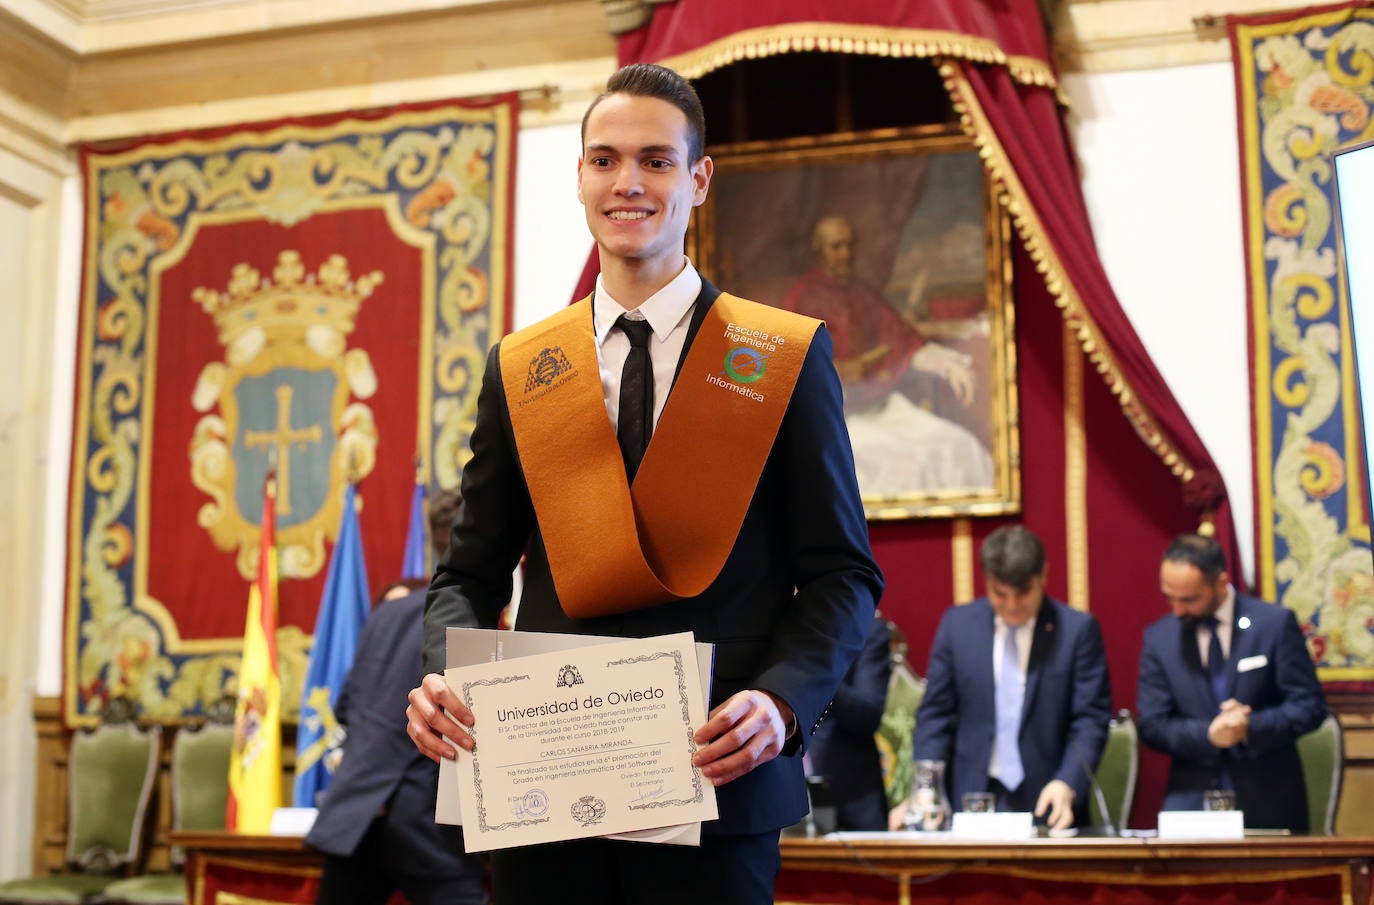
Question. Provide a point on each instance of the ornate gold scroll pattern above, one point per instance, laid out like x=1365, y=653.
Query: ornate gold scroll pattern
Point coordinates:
x=1304, y=92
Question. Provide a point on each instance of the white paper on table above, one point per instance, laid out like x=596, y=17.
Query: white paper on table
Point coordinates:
x=584, y=743
x=465, y=646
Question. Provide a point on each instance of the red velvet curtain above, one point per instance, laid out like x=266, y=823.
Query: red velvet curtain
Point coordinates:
x=1030, y=131
x=992, y=29
x=1082, y=369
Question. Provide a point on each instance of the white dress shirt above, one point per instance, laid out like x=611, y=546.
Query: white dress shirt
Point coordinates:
x=669, y=312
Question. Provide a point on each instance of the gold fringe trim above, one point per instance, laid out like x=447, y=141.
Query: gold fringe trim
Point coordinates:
x=871, y=40
x=1012, y=195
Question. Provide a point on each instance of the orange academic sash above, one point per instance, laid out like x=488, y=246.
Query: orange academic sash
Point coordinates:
x=613, y=548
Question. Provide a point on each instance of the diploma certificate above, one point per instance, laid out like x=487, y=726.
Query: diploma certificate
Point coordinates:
x=584, y=742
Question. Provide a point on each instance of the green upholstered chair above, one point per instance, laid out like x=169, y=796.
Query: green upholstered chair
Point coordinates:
x=904, y=692
x=1117, y=773
x=200, y=785
x=111, y=772
x=1323, y=765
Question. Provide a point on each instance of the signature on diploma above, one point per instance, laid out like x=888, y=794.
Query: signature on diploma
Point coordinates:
x=648, y=791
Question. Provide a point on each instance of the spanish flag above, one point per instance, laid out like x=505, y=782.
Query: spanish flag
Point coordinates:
x=255, y=762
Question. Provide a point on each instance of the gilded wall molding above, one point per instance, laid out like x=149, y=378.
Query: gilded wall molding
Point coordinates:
x=1075, y=473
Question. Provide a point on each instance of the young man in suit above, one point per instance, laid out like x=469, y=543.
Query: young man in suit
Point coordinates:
x=1226, y=688
x=376, y=821
x=1017, y=697
x=740, y=521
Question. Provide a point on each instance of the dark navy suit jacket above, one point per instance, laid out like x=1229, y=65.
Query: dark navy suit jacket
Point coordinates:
x=1064, y=716
x=788, y=612
x=1269, y=669
x=381, y=767
x=843, y=750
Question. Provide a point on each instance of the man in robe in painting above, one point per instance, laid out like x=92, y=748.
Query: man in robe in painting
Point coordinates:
x=899, y=446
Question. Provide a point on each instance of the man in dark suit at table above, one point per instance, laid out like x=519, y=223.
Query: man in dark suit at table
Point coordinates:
x=1226, y=688
x=376, y=821
x=740, y=521
x=1017, y=696
x=843, y=750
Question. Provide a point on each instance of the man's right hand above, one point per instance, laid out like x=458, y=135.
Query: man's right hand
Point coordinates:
x=1231, y=726
x=432, y=730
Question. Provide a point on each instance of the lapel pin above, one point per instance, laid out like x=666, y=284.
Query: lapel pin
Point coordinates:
x=1243, y=622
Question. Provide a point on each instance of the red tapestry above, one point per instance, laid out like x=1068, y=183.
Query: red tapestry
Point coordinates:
x=314, y=295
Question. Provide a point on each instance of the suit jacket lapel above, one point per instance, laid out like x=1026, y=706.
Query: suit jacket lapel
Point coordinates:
x=1042, y=641
x=705, y=299
x=985, y=680
x=1243, y=642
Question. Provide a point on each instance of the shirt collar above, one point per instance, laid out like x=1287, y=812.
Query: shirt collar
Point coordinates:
x=664, y=310
x=1226, y=613
x=1000, y=625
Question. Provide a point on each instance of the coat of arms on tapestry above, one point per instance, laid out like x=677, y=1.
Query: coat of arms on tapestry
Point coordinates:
x=313, y=295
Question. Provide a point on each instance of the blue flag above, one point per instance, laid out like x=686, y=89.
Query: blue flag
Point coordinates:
x=416, y=542
x=343, y=609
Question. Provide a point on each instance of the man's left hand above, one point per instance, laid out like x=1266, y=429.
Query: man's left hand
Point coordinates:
x=746, y=731
x=1057, y=798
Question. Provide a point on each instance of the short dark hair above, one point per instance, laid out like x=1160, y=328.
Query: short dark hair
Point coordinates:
x=1013, y=555
x=1200, y=551
x=443, y=510
x=653, y=80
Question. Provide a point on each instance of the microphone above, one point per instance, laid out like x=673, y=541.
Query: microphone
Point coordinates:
x=1109, y=828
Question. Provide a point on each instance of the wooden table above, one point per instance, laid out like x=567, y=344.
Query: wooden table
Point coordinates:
x=906, y=871
x=258, y=868
x=1269, y=869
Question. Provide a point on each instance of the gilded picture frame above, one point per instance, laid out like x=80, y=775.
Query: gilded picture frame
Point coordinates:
x=895, y=238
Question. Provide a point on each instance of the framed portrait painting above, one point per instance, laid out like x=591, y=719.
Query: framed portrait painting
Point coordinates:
x=896, y=240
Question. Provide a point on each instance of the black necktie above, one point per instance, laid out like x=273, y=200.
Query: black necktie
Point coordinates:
x=636, y=421
x=1216, y=661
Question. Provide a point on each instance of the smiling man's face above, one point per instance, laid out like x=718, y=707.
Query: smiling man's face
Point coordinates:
x=636, y=183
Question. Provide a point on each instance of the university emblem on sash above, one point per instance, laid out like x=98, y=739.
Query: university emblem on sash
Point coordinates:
x=546, y=367
x=288, y=390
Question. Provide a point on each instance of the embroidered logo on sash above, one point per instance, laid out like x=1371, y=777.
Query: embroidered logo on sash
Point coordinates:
x=746, y=361
x=545, y=368
x=745, y=364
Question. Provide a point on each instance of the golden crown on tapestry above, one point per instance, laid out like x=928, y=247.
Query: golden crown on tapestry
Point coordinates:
x=286, y=395
x=320, y=307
